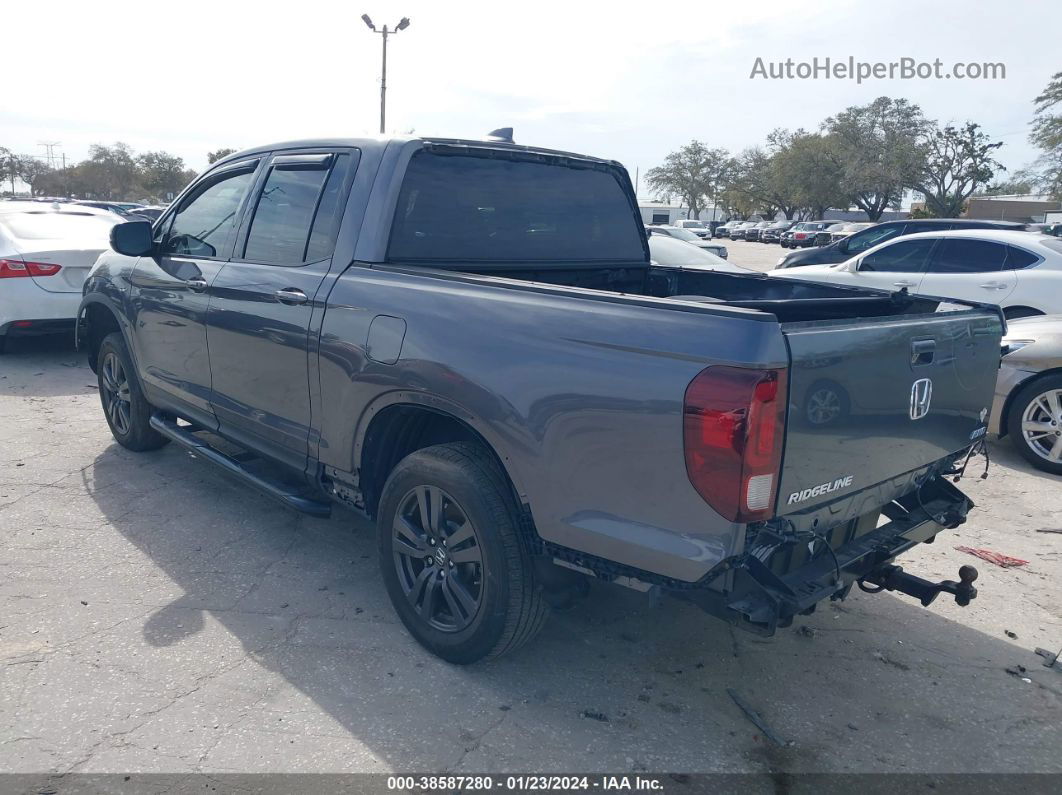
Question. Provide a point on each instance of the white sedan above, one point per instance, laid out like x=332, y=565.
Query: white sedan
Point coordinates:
x=46, y=251
x=1019, y=271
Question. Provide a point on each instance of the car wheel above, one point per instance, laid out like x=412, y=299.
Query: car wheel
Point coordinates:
x=128, y=413
x=1034, y=423
x=455, y=557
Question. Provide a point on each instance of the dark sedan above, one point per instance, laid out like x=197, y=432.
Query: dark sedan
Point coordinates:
x=773, y=233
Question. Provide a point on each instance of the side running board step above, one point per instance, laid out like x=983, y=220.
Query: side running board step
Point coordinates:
x=276, y=489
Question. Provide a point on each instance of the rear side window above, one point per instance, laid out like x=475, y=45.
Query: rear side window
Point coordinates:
x=202, y=227
x=280, y=228
x=1018, y=258
x=960, y=255
x=868, y=238
x=903, y=256
x=455, y=208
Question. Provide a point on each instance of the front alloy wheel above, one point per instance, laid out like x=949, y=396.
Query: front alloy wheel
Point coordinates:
x=115, y=392
x=438, y=559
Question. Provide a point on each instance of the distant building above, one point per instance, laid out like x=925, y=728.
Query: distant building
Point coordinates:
x=666, y=213
x=1026, y=208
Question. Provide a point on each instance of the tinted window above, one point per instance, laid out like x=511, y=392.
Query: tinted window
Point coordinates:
x=475, y=209
x=959, y=255
x=929, y=226
x=868, y=238
x=1019, y=258
x=281, y=225
x=202, y=227
x=903, y=256
x=329, y=213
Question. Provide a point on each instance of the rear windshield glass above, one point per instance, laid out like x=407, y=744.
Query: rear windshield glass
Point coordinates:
x=479, y=209
x=55, y=226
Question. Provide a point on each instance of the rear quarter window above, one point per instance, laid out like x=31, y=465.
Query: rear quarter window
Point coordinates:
x=456, y=208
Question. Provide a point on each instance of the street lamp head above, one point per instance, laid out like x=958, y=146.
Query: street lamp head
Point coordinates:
x=368, y=22
x=402, y=24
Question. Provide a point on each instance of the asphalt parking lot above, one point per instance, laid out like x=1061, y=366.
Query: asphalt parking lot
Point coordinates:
x=758, y=256
x=158, y=617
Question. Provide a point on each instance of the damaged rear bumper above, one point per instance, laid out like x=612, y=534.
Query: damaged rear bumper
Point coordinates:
x=764, y=594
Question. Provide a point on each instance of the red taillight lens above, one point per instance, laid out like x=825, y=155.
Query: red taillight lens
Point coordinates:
x=733, y=427
x=14, y=269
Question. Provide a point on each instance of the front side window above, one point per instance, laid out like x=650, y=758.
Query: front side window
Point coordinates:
x=203, y=226
x=903, y=256
x=461, y=208
x=961, y=255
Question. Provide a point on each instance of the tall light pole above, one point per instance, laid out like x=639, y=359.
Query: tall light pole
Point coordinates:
x=402, y=25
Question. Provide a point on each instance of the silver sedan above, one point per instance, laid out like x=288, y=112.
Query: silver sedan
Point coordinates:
x=1028, y=403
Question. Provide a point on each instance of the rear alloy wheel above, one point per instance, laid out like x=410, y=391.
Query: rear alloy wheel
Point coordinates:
x=438, y=558
x=455, y=556
x=1034, y=422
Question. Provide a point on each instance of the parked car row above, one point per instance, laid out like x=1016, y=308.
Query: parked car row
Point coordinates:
x=127, y=211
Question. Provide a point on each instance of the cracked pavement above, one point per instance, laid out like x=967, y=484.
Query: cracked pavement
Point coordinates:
x=159, y=617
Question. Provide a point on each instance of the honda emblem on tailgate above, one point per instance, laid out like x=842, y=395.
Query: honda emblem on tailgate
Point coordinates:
x=921, y=396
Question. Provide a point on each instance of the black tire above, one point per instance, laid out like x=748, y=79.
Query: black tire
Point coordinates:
x=127, y=412
x=1023, y=400
x=509, y=609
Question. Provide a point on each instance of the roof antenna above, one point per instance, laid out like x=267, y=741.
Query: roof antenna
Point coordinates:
x=502, y=134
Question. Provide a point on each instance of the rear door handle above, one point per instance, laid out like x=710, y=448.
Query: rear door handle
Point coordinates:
x=994, y=286
x=291, y=295
x=197, y=283
x=903, y=284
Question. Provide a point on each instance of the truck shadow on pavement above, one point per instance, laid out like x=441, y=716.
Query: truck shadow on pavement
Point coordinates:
x=280, y=627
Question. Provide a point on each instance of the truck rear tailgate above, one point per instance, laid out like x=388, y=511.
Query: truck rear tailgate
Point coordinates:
x=873, y=398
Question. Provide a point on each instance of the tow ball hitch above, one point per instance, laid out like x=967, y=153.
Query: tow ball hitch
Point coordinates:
x=894, y=578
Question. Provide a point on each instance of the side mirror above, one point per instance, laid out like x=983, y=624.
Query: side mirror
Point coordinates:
x=132, y=238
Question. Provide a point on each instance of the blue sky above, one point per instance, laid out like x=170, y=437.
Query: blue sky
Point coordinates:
x=614, y=80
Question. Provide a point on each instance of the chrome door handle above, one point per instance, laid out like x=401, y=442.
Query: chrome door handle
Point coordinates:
x=291, y=295
x=903, y=284
x=197, y=283
x=994, y=286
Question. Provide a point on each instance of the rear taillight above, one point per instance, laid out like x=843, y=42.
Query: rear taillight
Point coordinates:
x=15, y=269
x=733, y=429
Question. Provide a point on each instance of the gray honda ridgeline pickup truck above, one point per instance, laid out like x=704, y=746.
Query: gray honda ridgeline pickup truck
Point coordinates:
x=467, y=342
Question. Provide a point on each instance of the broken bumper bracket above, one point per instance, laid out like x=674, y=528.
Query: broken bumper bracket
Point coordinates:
x=760, y=600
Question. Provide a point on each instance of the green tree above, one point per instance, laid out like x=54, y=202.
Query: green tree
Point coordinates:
x=162, y=173
x=213, y=157
x=1047, y=136
x=110, y=172
x=694, y=173
x=30, y=171
x=956, y=162
x=879, y=149
x=808, y=170
x=8, y=167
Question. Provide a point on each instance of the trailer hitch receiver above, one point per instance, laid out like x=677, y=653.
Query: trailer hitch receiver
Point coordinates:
x=894, y=578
